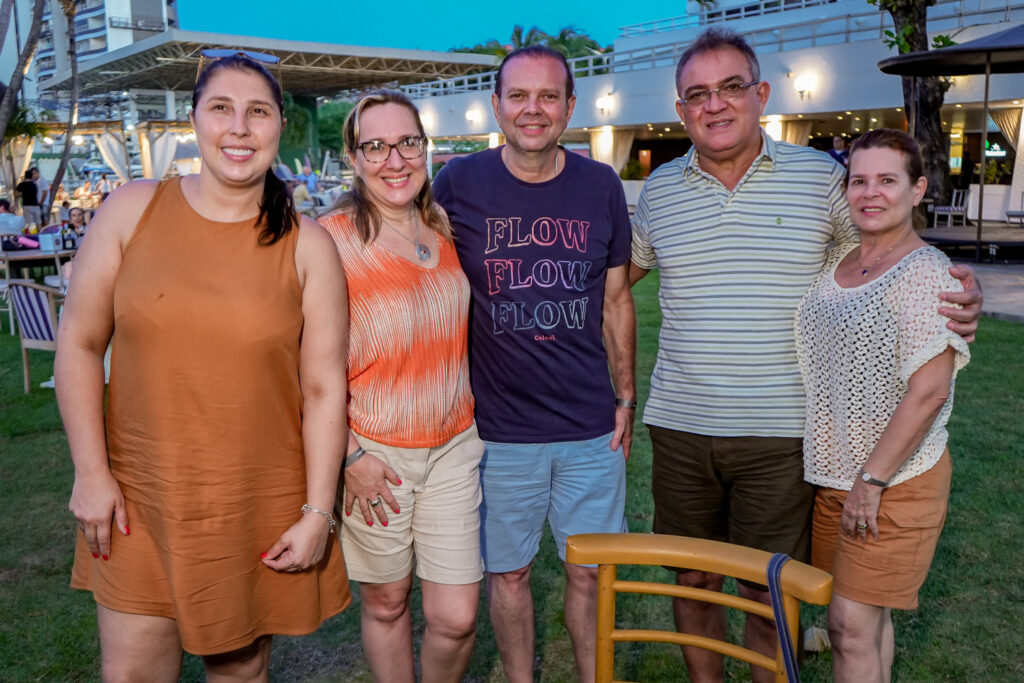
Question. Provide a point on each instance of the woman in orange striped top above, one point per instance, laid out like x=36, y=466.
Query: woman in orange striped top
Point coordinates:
x=411, y=475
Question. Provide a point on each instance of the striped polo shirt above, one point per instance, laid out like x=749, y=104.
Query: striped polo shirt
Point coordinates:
x=734, y=265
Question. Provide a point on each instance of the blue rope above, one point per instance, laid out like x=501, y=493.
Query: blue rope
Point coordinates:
x=785, y=641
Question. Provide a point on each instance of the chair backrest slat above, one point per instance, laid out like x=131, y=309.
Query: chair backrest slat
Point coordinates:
x=33, y=311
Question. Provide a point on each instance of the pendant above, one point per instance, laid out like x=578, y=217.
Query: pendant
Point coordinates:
x=864, y=272
x=423, y=251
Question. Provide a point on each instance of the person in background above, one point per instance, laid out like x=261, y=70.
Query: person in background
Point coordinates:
x=103, y=187
x=85, y=195
x=43, y=184
x=204, y=487
x=78, y=220
x=28, y=191
x=10, y=223
x=62, y=195
x=301, y=197
x=311, y=179
x=879, y=366
x=412, y=487
x=838, y=151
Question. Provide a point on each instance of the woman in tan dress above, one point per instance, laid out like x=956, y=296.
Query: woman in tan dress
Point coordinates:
x=203, y=491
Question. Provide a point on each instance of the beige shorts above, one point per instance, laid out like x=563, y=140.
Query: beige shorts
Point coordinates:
x=439, y=521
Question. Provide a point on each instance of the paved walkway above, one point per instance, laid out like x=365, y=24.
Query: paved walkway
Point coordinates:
x=1003, y=285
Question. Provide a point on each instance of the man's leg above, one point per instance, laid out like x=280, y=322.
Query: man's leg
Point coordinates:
x=581, y=616
x=690, y=500
x=770, y=508
x=700, y=619
x=510, y=606
x=588, y=495
x=515, y=480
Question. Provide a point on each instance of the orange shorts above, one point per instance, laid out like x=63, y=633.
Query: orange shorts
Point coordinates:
x=890, y=571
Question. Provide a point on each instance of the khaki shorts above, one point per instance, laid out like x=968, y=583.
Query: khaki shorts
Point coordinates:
x=888, y=572
x=439, y=521
x=747, y=490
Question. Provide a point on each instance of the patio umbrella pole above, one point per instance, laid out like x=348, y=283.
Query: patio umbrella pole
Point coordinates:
x=984, y=139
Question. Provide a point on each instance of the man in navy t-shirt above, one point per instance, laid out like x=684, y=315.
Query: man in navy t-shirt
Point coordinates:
x=544, y=238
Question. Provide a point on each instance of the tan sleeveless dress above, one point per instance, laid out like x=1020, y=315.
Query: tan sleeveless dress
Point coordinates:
x=204, y=434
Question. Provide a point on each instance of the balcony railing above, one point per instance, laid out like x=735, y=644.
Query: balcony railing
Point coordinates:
x=138, y=23
x=947, y=15
x=716, y=15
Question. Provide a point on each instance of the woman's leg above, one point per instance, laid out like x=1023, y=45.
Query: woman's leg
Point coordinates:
x=387, y=629
x=450, y=611
x=888, y=645
x=250, y=664
x=856, y=631
x=137, y=647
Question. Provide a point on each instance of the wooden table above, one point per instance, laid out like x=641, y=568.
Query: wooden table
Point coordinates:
x=25, y=259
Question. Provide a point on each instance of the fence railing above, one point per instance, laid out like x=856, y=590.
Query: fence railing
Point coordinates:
x=716, y=15
x=947, y=15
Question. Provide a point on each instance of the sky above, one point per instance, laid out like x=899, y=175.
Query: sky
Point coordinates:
x=430, y=25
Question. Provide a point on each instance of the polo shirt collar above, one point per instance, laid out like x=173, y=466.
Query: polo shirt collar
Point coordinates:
x=691, y=163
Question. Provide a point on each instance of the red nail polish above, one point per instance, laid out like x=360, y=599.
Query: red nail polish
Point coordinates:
x=397, y=511
x=263, y=556
x=105, y=558
x=370, y=523
x=348, y=513
x=127, y=531
x=95, y=556
x=384, y=523
x=399, y=482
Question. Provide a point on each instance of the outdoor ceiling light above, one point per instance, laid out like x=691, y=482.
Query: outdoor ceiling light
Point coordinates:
x=805, y=84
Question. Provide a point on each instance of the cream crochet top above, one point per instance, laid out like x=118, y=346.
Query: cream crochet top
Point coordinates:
x=858, y=347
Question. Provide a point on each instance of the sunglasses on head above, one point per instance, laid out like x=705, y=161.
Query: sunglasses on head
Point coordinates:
x=207, y=57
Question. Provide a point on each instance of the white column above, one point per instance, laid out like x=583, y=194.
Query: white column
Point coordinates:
x=171, y=105
x=1017, y=181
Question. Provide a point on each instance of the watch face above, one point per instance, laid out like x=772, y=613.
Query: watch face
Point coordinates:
x=865, y=476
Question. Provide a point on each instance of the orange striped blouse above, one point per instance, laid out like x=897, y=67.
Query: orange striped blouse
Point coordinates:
x=408, y=371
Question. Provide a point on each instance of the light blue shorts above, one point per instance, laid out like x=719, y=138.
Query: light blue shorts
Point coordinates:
x=579, y=487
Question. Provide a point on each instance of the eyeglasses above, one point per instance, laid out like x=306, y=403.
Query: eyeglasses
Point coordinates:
x=213, y=54
x=728, y=92
x=378, y=151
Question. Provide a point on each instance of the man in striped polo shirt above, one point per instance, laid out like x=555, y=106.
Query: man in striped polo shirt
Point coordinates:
x=738, y=228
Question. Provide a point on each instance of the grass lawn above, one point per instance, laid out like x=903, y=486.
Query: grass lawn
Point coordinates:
x=965, y=630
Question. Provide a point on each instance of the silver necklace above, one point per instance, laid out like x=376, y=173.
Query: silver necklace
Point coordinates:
x=422, y=250
x=864, y=272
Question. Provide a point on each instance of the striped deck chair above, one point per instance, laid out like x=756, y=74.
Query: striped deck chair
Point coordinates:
x=36, y=312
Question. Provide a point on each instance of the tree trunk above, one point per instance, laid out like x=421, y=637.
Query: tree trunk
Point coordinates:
x=931, y=92
x=5, y=20
x=14, y=85
x=65, y=156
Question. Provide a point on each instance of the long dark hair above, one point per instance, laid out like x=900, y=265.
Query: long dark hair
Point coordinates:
x=356, y=202
x=277, y=210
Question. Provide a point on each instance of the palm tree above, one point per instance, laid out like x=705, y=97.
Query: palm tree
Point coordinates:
x=573, y=43
x=69, y=8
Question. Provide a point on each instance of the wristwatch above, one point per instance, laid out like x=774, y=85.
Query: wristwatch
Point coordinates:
x=868, y=479
x=625, y=403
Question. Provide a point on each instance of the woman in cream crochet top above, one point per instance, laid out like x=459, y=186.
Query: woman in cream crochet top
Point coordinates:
x=878, y=365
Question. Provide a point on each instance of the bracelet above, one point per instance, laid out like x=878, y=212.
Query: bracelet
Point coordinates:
x=625, y=403
x=331, y=523
x=353, y=456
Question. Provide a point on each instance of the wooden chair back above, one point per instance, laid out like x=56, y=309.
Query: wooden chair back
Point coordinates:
x=800, y=583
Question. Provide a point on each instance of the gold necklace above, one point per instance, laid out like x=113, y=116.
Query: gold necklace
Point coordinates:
x=422, y=250
x=864, y=272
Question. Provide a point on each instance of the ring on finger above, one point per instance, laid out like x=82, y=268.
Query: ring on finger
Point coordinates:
x=375, y=503
x=862, y=525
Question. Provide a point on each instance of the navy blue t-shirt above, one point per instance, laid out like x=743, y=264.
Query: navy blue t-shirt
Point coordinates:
x=536, y=255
